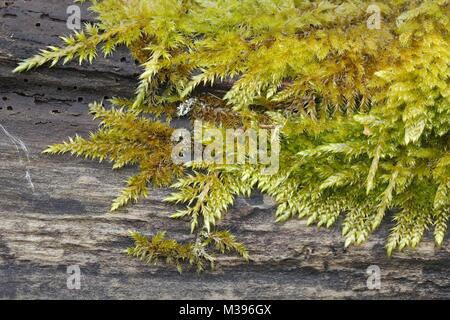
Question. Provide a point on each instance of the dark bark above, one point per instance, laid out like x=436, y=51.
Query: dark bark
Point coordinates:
x=65, y=220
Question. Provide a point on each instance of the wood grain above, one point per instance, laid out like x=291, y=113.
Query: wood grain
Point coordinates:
x=64, y=220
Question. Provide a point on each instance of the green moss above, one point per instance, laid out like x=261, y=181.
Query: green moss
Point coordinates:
x=365, y=112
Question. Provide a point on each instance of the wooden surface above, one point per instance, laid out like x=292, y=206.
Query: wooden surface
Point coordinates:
x=57, y=215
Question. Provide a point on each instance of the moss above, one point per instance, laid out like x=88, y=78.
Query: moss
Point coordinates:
x=364, y=112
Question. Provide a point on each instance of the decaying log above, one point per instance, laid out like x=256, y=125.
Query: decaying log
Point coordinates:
x=54, y=210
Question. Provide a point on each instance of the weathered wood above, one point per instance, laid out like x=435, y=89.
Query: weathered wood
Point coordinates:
x=62, y=218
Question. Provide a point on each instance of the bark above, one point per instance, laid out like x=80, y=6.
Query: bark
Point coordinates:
x=57, y=215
